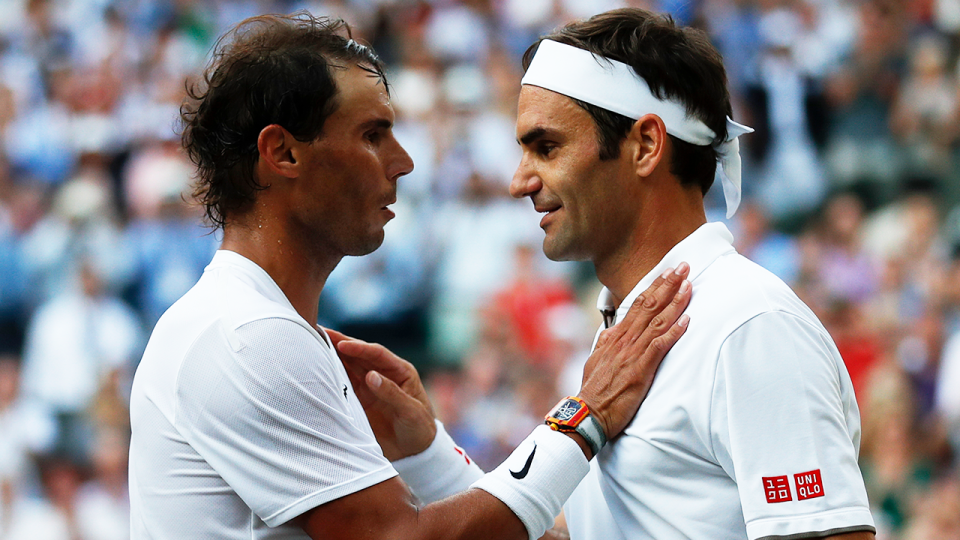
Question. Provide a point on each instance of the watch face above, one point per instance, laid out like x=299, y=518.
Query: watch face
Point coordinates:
x=567, y=410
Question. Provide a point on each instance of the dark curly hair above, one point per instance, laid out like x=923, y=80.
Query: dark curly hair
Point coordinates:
x=677, y=62
x=270, y=69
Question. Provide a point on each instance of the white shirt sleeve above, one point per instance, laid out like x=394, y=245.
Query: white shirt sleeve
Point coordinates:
x=785, y=426
x=948, y=381
x=276, y=419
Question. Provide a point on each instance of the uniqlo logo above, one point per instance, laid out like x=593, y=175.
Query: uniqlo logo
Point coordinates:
x=809, y=485
x=777, y=489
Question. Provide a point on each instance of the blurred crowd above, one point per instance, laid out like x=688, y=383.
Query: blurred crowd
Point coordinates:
x=852, y=196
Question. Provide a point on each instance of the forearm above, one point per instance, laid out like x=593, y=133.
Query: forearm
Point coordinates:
x=520, y=499
x=471, y=515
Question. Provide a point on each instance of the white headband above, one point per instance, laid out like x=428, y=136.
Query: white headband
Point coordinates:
x=614, y=86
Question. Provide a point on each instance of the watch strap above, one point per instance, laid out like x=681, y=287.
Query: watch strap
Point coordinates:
x=592, y=432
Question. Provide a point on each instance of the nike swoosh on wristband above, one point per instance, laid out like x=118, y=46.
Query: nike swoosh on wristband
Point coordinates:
x=526, y=466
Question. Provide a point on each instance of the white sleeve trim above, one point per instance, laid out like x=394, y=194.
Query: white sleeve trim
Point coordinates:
x=317, y=498
x=537, y=478
x=847, y=519
x=442, y=470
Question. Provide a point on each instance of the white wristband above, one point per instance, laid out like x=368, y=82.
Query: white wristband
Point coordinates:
x=537, y=478
x=442, y=470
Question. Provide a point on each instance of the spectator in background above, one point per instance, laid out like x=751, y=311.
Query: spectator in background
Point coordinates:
x=26, y=430
x=78, y=226
x=76, y=342
x=786, y=100
x=926, y=113
x=861, y=91
x=764, y=245
x=859, y=347
x=895, y=471
x=103, y=502
x=158, y=176
x=938, y=515
x=844, y=269
x=905, y=239
x=524, y=305
x=53, y=516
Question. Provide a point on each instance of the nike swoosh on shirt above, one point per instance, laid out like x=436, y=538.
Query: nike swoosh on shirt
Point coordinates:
x=526, y=466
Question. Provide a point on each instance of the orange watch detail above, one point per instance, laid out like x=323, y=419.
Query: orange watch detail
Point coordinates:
x=568, y=414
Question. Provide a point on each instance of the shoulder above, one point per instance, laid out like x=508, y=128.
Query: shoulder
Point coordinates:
x=206, y=329
x=733, y=291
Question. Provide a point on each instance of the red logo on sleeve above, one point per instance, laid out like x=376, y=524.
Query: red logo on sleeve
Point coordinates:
x=777, y=489
x=809, y=485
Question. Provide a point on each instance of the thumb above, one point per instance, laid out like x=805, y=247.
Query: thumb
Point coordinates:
x=391, y=396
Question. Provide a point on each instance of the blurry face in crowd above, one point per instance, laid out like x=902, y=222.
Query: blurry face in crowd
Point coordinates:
x=9, y=381
x=351, y=170
x=584, y=200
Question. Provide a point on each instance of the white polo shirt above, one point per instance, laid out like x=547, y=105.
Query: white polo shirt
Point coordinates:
x=243, y=416
x=750, y=429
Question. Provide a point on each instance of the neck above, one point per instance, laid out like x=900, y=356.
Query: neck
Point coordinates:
x=662, y=222
x=296, y=268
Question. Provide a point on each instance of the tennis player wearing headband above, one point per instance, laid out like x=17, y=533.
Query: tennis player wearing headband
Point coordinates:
x=750, y=429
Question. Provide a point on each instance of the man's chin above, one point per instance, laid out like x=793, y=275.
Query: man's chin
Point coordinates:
x=560, y=253
x=368, y=246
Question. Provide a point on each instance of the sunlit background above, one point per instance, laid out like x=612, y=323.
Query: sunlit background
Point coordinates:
x=851, y=196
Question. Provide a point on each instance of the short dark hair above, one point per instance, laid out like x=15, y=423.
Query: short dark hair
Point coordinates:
x=270, y=69
x=677, y=63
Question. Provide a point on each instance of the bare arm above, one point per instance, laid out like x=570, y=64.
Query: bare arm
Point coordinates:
x=618, y=376
x=389, y=511
x=862, y=535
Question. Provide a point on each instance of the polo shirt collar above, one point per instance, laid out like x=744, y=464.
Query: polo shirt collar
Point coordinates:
x=699, y=250
x=261, y=280
x=257, y=276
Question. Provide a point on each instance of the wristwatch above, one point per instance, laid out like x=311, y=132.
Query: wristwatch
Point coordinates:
x=573, y=415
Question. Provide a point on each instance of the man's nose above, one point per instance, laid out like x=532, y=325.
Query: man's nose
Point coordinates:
x=525, y=181
x=402, y=163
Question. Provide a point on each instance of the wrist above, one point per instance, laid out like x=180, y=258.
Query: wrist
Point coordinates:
x=439, y=471
x=587, y=452
x=596, y=411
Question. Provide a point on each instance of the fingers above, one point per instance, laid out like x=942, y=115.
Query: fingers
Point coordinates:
x=336, y=337
x=659, y=307
x=370, y=355
x=662, y=343
x=642, y=314
x=391, y=395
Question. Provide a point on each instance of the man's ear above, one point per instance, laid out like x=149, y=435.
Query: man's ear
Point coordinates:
x=648, y=141
x=277, y=151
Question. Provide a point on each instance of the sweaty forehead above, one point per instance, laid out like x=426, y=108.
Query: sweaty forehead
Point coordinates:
x=361, y=91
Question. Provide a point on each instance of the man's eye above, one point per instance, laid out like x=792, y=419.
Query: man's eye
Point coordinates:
x=373, y=136
x=544, y=149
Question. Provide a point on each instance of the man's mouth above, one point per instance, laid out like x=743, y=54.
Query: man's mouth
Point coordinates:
x=386, y=208
x=547, y=211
